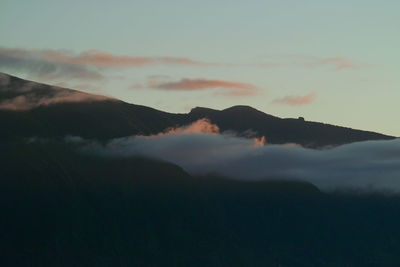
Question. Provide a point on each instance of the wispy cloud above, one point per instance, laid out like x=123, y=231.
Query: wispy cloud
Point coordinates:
x=98, y=58
x=30, y=95
x=339, y=63
x=26, y=102
x=336, y=63
x=30, y=101
x=231, y=88
x=36, y=64
x=294, y=100
x=50, y=64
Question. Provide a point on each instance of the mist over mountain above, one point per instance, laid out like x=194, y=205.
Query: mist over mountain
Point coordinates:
x=364, y=167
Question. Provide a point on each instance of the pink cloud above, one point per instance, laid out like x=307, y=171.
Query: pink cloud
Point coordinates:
x=293, y=100
x=340, y=63
x=204, y=126
x=305, y=61
x=97, y=58
x=137, y=86
x=51, y=65
x=200, y=126
x=259, y=141
x=234, y=88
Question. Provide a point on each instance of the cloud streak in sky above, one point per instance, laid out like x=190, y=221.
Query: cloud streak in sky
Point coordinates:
x=229, y=87
x=36, y=64
x=293, y=100
x=102, y=59
x=50, y=64
x=338, y=63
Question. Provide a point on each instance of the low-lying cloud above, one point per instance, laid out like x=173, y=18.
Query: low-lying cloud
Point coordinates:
x=31, y=95
x=203, y=126
x=371, y=166
x=26, y=102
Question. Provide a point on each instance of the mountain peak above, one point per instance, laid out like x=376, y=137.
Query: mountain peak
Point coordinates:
x=234, y=109
x=243, y=108
x=202, y=110
x=247, y=110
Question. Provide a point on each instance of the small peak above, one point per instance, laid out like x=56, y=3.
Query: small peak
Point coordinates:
x=242, y=108
x=202, y=110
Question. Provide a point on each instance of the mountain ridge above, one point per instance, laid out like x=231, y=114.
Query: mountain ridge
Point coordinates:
x=45, y=112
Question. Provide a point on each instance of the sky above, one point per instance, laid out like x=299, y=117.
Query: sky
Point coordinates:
x=330, y=61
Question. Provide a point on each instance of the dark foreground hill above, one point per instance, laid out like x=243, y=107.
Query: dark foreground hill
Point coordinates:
x=60, y=207
x=30, y=109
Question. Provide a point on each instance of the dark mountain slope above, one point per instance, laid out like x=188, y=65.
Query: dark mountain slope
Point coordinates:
x=100, y=119
x=30, y=109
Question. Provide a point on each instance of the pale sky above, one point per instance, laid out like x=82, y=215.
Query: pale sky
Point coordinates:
x=329, y=61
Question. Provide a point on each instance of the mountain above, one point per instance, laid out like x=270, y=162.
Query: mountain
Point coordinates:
x=64, y=205
x=279, y=131
x=30, y=109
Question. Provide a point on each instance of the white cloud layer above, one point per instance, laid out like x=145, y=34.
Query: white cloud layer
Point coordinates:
x=363, y=166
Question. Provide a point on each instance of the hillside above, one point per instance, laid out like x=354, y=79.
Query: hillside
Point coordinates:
x=279, y=131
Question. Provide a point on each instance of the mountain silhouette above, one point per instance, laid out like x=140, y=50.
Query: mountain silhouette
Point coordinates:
x=29, y=109
x=278, y=131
